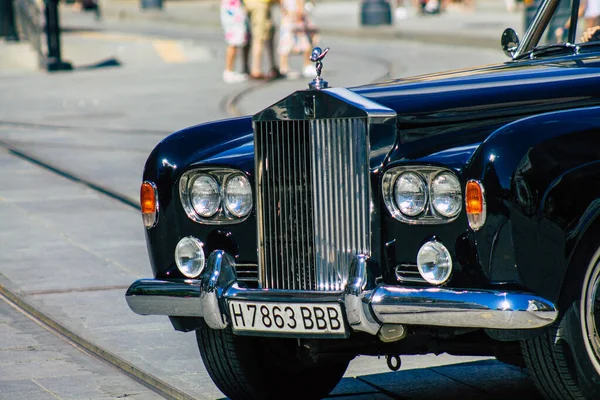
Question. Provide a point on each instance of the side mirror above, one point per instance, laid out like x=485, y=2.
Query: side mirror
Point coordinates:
x=510, y=42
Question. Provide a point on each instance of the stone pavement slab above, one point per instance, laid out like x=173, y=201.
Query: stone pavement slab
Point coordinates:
x=38, y=364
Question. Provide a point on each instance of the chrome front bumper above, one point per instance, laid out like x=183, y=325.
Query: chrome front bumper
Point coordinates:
x=365, y=310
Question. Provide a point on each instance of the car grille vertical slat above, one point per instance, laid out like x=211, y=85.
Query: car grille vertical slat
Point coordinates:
x=313, y=184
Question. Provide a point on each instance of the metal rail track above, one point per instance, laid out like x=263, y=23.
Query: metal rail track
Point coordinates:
x=154, y=383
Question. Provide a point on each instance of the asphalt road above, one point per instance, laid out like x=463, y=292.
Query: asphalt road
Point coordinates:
x=69, y=251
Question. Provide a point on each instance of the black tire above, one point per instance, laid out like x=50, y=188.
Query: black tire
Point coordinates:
x=561, y=361
x=252, y=368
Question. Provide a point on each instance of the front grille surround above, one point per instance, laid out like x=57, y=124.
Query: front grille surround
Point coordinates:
x=313, y=201
x=329, y=143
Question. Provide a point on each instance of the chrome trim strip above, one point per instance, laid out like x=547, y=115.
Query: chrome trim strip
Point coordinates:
x=461, y=308
x=236, y=292
x=402, y=270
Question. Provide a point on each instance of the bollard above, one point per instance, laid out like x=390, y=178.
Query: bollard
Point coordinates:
x=375, y=12
x=54, y=61
x=7, y=21
x=151, y=4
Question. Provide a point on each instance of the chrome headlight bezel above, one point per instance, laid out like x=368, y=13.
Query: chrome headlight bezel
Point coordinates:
x=222, y=216
x=428, y=173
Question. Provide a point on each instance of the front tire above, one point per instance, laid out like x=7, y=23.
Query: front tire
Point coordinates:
x=251, y=368
x=564, y=362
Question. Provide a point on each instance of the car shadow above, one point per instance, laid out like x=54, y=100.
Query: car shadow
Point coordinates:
x=478, y=380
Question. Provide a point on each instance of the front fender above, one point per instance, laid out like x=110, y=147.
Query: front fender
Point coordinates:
x=537, y=173
x=169, y=159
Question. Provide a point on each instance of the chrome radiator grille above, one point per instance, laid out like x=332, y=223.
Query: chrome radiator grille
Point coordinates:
x=313, y=201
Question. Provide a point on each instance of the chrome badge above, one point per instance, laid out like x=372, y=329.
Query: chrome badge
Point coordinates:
x=317, y=55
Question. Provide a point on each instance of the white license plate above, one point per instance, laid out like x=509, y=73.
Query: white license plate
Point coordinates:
x=301, y=318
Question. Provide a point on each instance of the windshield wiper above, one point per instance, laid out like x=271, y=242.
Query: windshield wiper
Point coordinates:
x=551, y=50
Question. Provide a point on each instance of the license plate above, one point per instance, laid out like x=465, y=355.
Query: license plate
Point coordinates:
x=298, y=318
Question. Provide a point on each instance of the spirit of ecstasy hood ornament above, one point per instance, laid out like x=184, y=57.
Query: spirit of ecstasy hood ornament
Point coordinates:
x=317, y=55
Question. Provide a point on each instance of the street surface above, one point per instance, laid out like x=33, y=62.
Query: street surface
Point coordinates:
x=72, y=150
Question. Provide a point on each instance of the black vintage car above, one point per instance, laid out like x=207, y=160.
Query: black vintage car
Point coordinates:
x=455, y=212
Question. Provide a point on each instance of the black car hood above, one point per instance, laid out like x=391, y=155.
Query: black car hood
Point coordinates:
x=460, y=108
x=463, y=107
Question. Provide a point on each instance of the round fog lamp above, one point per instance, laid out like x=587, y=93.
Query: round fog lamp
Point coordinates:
x=189, y=257
x=434, y=262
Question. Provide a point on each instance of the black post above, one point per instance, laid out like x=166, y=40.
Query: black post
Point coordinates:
x=7, y=21
x=54, y=61
x=151, y=4
x=375, y=12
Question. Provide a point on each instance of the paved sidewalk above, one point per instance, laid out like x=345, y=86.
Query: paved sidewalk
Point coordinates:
x=37, y=364
x=481, y=27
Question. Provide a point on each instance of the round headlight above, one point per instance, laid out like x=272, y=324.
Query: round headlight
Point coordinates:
x=410, y=194
x=205, y=195
x=189, y=257
x=446, y=195
x=238, y=195
x=434, y=262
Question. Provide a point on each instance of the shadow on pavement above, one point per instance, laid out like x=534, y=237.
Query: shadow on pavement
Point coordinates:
x=478, y=380
x=110, y=62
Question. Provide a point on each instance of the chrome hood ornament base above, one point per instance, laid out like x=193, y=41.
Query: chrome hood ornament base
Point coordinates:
x=317, y=55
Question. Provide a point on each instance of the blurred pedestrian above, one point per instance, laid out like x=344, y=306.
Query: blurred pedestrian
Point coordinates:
x=235, y=26
x=297, y=36
x=262, y=32
x=592, y=13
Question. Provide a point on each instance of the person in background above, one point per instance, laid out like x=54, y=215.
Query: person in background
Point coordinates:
x=297, y=36
x=262, y=32
x=235, y=25
x=592, y=13
x=591, y=34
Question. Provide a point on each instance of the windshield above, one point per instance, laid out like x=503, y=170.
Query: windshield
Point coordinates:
x=563, y=22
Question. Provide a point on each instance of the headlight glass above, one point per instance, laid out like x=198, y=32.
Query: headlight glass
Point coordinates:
x=238, y=195
x=410, y=194
x=205, y=195
x=446, y=194
x=434, y=262
x=189, y=257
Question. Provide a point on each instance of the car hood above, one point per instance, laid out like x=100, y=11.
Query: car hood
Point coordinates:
x=460, y=108
x=463, y=107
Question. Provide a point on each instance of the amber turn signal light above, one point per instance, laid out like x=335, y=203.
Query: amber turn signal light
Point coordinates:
x=149, y=204
x=474, y=198
x=475, y=204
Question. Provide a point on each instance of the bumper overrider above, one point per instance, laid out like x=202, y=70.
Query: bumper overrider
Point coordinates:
x=365, y=310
